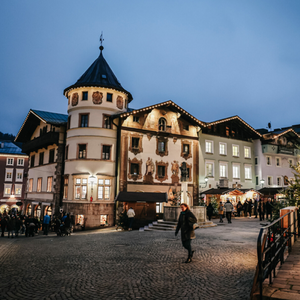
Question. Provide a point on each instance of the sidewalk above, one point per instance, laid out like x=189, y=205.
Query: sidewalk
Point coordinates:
x=286, y=284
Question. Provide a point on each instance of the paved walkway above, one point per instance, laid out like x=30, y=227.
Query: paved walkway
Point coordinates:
x=286, y=284
x=109, y=264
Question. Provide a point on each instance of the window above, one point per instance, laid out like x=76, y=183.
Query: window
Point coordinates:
x=256, y=180
x=19, y=175
x=30, y=185
x=209, y=169
x=209, y=146
x=49, y=184
x=268, y=158
x=104, y=186
x=10, y=161
x=256, y=161
x=134, y=169
x=83, y=120
x=227, y=131
x=20, y=162
x=186, y=127
x=222, y=148
x=7, y=189
x=39, y=185
x=32, y=158
x=80, y=188
x=107, y=122
x=279, y=181
x=18, y=190
x=8, y=174
x=106, y=152
x=235, y=150
x=161, y=171
x=51, y=156
x=162, y=124
x=109, y=97
x=291, y=162
x=136, y=119
x=186, y=149
x=247, y=152
x=161, y=146
x=82, y=151
x=41, y=158
x=248, y=172
x=236, y=171
x=67, y=152
x=66, y=183
x=278, y=162
x=223, y=170
x=135, y=143
x=270, y=180
x=84, y=96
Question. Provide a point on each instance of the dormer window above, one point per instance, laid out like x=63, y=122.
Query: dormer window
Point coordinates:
x=103, y=76
x=162, y=123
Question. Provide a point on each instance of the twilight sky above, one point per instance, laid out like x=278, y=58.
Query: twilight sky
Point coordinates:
x=214, y=58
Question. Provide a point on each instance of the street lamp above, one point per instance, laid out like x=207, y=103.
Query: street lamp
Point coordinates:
x=205, y=183
x=262, y=181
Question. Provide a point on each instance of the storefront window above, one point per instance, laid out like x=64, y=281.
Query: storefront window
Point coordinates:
x=80, y=220
x=103, y=220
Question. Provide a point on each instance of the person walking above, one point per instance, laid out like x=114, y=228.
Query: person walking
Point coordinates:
x=12, y=226
x=239, y=208
x=210, y=211
x=186, y=223
x=269, y=208
x=221, y=212
x=249, y=207
x=245, y=208
x=261, y=209
x=255, y=208
x=130, y=215
x=46, y=223
x=228, y=208
x=3, y=225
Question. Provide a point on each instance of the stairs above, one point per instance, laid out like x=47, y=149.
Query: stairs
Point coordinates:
x=161, y=225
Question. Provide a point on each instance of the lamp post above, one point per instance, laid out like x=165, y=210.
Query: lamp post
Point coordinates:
x=92, y=180
x=262, y=181
x=205, y=183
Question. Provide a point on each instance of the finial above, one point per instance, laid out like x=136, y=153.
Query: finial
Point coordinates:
x=101, y=41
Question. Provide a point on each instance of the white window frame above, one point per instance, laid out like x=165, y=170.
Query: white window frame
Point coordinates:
x=7, y=186
x=17, y=187
x=19, y=171
x=238, y=150
x=280, y=179
x=223, y=165
x=225, y=148
x=279, y=162
x=271, y=180
x=10, y=161
x=20, y=160
x=9, y=171
x=247, y=148
x=207, y=142
x=104, y=188
x=270, y=160
x=207, y=162
x=248, y=167
x=239, y=170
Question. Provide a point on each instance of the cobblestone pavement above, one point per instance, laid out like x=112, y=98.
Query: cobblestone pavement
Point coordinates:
x=110, y=264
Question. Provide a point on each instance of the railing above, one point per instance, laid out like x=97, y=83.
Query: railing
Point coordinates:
x=273, y=240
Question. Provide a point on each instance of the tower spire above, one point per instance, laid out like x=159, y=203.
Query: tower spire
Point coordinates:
x=101, y=41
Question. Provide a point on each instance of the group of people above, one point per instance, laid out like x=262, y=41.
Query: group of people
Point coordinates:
x=16, y=224
x=257, y=207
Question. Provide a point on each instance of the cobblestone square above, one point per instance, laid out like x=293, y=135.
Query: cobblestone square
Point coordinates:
x=110, y=264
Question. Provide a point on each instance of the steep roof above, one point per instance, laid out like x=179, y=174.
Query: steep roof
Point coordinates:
x=99, y=74
x=8, y=147
x=33, y=119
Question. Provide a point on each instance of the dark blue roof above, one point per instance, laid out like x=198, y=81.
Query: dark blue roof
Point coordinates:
x=99, y=74
x=8, y=147
x=51, y=118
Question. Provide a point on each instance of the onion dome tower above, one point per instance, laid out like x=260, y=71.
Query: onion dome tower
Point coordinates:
x=91, y=142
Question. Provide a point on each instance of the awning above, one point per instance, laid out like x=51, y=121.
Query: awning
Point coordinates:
x=141, y=197
x=233, y=192
x=270, y=191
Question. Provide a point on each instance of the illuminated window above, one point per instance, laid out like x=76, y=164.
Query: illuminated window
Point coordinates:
x=19, y=175
x=248, y=172
x=39, y=185
x=49, y=184
x=236, y=171
x=247, y=152
x=223, y=169
x=82, y=151
x=30, y=185
x=235, y=150
x=104, y=186
x=66, y=183
x=209, y=146
x=8, y=174
x=209, y=169
x=18, y=190
x=80, y=188
x=7, y=189
x=222, y=148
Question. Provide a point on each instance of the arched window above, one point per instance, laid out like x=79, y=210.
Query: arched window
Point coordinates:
x=162, y=124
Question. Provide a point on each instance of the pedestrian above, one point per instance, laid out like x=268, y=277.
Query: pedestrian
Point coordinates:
x=249, y=207
x=261, y=209
x=130, y=215
x=31, y=226
x=18, y=225
x=228, y=208
x=245, y=208
x=269, y=208
x=255, y=208
x=221, y=212
x=46, y=223
x=186, y=223
x=239, y=208
x=12, y=226
x=210, y=211
x=3, y=225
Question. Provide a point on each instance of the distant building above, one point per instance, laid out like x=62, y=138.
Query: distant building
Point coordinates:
x=13, y=176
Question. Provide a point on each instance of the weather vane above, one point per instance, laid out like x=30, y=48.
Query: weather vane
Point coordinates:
x=101, y=41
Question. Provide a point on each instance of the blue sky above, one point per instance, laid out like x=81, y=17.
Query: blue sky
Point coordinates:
x=214, y=58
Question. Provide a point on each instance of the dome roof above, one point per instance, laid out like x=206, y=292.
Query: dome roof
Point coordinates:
x=99, y=74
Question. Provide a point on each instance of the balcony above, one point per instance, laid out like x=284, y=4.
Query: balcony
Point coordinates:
x=42, y=141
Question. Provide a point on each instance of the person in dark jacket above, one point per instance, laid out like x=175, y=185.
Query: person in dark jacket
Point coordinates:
x=239, y=208
x=245, y=207
x=255, y=208
x=186, y=223
x=261, y=209
x=210, y=211
x=12, y=226
x=18, y=225
x=269, y=208
x=3, y=225
x=249, y=207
